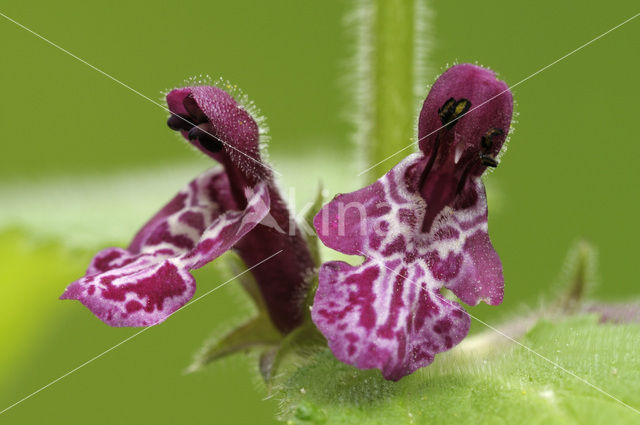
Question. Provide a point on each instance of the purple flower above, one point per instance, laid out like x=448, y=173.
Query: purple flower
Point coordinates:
x=421, y=228
x=219, y=210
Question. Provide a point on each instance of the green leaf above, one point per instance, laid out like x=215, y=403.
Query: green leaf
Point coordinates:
x=507, y=385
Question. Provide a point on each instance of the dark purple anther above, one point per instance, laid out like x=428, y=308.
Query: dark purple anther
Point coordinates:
x=179, y=122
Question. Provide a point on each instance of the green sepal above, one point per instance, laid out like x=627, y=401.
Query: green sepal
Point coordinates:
x=256, y=333
x=314, y=246
x=299, y=345
x=312, y=237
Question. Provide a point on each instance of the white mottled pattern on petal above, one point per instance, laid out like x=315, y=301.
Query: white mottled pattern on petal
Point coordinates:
x=388, y=313
x=144, y=284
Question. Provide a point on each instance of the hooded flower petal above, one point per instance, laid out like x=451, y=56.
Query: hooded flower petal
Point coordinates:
x=144, y=284
x=212, y=121
x=421, y=227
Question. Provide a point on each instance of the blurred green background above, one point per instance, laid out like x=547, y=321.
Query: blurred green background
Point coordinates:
x=84, y=162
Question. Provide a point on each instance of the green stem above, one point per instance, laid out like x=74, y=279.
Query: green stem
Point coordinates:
x=391, y=81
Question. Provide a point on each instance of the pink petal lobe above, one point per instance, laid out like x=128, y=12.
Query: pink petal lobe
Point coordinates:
x=145, y=284
x=142, y=294
x=385, y=318
x=228, y=229
x=388, y=313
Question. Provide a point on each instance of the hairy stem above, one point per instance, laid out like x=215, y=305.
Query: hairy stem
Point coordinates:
x=390, y=53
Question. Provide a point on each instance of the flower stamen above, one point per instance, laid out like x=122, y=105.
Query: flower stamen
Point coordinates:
x=452, y=110
x=178, y=122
